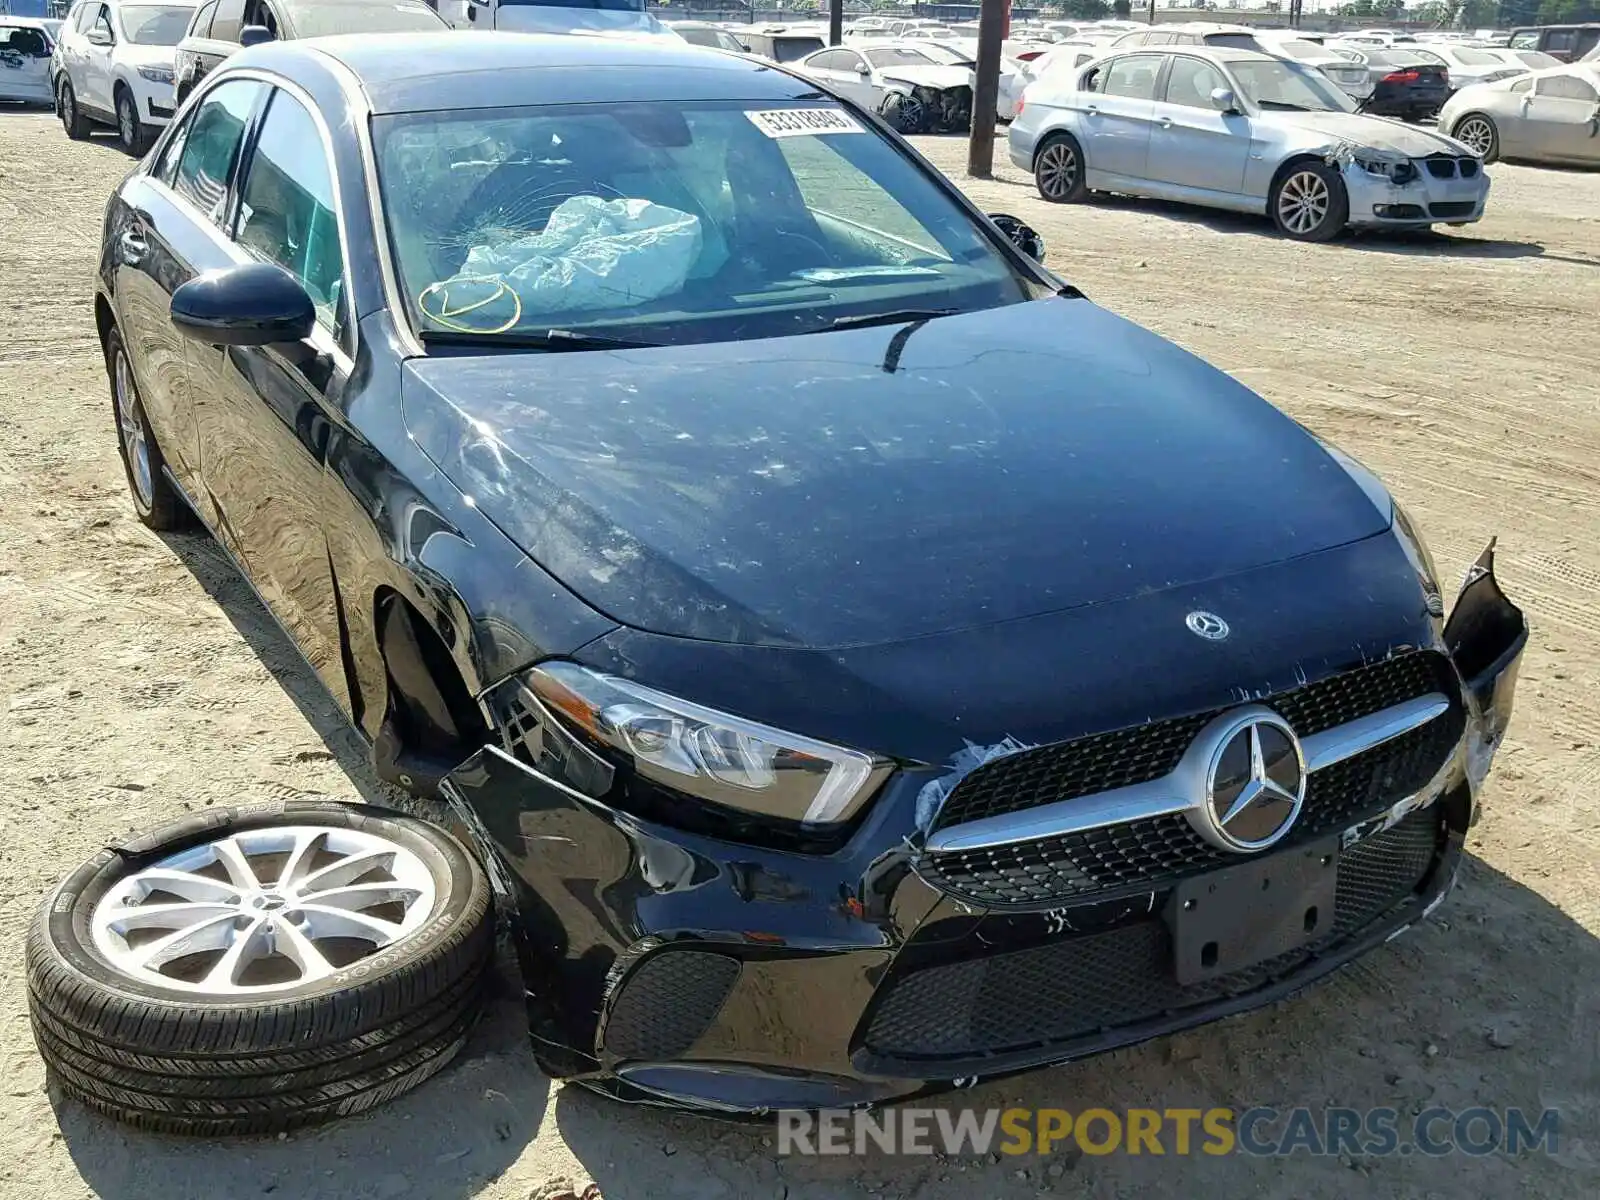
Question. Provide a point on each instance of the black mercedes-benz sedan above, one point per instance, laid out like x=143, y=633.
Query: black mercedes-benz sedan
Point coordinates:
x=863, y=662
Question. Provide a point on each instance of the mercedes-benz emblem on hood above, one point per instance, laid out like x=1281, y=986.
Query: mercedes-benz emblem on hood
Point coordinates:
x=1208, y=625
x=1255, y=781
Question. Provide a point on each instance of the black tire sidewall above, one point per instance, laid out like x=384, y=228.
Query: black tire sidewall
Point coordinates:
x=1079, y=188
x=71, y=114
x=147, y=512
x=66, y=914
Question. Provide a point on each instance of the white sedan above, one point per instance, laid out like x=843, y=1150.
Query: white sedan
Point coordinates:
x=900, y=82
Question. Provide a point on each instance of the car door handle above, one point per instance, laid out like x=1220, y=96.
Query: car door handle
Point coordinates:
x=1092, y=109
x=1165, y=122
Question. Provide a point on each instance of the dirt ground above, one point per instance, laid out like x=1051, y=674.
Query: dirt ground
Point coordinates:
x=139, y=679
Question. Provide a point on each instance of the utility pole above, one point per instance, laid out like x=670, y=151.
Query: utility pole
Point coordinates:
x=835, y=21
x=993, y=17
x=1152, y=12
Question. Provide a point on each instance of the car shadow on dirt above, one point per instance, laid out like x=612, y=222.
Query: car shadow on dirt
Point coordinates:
x=215, y=572
x=1430, y=242
x=448, y=1140
x=1462, y=1011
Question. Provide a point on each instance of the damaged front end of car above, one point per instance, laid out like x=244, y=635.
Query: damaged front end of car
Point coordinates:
x=971, y=921
x=918, y=108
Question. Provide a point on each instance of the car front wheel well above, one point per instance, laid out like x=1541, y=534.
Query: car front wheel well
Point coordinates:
x=431, y=712
x=1288, y=165
x=104, y=322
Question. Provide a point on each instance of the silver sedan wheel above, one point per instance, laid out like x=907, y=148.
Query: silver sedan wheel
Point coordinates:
x=263, y=910
x=1477, y=133
x=1058, y=170
x=1303, y=202
x=130, y=422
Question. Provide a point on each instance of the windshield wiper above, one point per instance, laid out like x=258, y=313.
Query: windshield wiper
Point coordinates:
x=1287, y=107
x=897, y=317
x=550, y=339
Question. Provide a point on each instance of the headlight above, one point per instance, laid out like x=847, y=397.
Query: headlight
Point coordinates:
x=1395, y=172
x=1421, y=560
x=717, y=757
x=156, y=74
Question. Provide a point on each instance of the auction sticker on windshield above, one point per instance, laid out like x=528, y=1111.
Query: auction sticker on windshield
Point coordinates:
x=796, y=122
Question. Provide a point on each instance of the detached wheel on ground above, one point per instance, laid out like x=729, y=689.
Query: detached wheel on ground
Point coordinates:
x=1309, y=203
x=72, y=118
x=255, y=970
x=1479, y=132
x=1058, y=169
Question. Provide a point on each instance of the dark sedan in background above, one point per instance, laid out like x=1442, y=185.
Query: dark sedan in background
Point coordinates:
x=1406, y=82
x=631, y=437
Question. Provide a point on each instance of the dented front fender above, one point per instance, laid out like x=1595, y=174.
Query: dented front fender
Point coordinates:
x=1485, y=637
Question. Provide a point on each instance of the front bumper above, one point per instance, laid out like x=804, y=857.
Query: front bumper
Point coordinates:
x=155, y=101
x=1425, y=200
x=671, y=968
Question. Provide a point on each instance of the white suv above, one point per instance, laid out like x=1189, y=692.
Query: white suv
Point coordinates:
x=113, y=65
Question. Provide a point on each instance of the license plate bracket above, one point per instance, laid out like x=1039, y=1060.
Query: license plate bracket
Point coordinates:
x=1239, y=916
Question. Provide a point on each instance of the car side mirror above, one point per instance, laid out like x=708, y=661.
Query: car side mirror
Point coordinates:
x=863, y=70
x=254, y=35
x=99, y=37
x=1223, y=100
x=1023, y=237
x=253, y=304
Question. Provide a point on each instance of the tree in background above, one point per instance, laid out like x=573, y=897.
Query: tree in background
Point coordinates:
x=1086, y=10
x=1121, y=9
x=1567, y=12
x=1388, y=10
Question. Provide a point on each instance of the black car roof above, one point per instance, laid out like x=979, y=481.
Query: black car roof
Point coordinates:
x=421, y=72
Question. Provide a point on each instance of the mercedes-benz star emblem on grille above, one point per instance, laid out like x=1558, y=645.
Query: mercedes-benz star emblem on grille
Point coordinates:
x=1208, y=625
x=1255, y=781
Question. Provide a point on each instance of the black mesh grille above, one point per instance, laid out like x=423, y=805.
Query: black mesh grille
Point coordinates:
x=1083, y=986
x=1441, y=166
x=1154, y=853
x=668, y=1003
x=1469, y=168
x=1452, y=208
x=1067, y=770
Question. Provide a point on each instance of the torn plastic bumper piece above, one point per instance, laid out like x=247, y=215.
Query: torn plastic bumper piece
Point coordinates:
x=1485, y=637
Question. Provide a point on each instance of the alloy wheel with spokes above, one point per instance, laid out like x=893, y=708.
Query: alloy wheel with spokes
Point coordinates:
x=1058, y=172
x=263, y=910
x=1478, y=133
x=130, y=427
x=250, y=971
x=1309, y=203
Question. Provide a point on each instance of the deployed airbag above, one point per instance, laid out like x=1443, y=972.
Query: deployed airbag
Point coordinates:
x=592, y=254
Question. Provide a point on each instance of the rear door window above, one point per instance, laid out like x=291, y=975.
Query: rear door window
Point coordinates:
x=1133, y=77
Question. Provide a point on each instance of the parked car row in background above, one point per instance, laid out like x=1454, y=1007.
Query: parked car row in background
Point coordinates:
x=128, y=64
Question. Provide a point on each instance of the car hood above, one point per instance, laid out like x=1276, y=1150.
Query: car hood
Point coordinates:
x=146, y=56
x=871, y=485
x=1377, y=133
x=933, y=75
